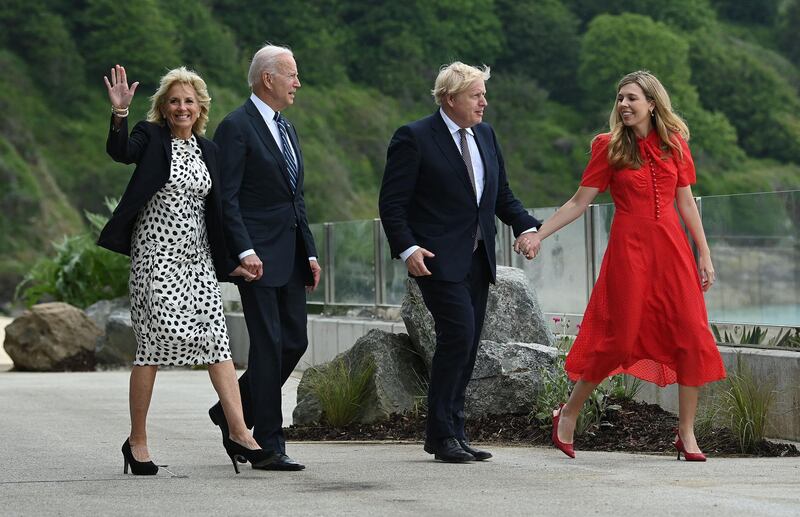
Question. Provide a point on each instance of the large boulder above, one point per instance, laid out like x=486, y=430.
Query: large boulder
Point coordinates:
x=513, y=315
x=398, y=381
x=507, y=377
x=117, y=345
x=52, y=337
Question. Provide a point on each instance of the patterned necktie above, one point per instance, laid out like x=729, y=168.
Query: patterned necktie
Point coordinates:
x=467, y=159
x=288, y=155
x=468, y=162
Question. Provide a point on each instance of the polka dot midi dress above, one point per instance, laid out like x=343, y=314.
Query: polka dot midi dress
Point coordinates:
x=646, y=316
x=176, y=306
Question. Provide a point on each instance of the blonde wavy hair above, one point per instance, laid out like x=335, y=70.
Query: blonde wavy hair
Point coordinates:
x=622, y=148
x=181, y=75
x=456, y=78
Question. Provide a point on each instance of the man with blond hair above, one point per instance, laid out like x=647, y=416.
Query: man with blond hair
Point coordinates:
x=266, y=229
x=443, y=184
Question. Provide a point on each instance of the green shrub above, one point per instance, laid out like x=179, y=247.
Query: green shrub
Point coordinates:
x=340, y=388
x=744, y=404
x=80, y=273
x=556, y=387
x=625, y=387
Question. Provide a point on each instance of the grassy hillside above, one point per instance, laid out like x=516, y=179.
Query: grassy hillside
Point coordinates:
x=731, y=67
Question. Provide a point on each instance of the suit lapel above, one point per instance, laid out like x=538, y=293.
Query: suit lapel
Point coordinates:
x=266, y=138
x=166, y=141
x=443, y=138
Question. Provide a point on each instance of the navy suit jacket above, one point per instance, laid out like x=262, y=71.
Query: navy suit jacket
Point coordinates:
x=260, y=210
x=427, y=200
x=149, y=147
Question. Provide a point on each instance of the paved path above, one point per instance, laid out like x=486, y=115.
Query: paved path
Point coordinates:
x=60, y=435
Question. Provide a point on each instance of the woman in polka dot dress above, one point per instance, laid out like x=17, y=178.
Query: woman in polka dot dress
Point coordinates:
x=169, y=221
x=646, y=316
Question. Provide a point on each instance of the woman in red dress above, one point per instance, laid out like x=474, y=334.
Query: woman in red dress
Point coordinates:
x=646, y=316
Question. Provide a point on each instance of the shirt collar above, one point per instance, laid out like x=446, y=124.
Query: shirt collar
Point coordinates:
x=452, y=126
x=267, y=113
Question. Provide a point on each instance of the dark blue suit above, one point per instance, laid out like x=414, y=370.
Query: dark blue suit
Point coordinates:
x=427, y=200
x=261, y=212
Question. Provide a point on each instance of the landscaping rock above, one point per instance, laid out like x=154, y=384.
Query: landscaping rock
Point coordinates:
x=117, y=345
x=513, y=315
x=52, y=337
x=507, y=377
x=396, y=385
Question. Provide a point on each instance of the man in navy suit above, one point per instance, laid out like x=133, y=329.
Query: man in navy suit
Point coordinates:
x=266, y=227
x=444, y=182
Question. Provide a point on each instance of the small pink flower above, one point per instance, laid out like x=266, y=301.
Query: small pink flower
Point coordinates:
x=557, y=319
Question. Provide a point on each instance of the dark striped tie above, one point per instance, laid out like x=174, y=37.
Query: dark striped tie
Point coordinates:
x=288, y=155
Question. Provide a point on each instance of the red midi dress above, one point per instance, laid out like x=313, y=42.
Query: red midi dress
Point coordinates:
x=646, y=316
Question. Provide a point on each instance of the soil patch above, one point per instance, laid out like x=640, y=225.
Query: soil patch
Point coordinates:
x=635, y=427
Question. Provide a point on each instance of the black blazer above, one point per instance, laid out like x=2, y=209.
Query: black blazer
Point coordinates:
x=426, y=198
x=149, y=147
x=261, y=212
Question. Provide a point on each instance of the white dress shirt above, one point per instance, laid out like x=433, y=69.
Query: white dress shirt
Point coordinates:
x=268, y=114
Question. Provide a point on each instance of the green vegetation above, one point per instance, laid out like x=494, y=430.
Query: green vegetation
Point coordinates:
x=80, y=273
x=340, y=388
x=742, y=407
x=731, y=66
x=556, y=388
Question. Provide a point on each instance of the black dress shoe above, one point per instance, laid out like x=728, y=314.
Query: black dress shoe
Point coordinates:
x=479, y=454
x=282, y=462
x=449, y=450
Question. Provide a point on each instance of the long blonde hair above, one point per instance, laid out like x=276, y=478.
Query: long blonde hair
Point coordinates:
x=622, y=148
x=181, y=75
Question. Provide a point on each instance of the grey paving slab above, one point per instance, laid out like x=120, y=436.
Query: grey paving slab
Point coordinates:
x=59, y=455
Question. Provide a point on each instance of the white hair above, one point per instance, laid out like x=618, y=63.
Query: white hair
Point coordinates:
x=265, y=60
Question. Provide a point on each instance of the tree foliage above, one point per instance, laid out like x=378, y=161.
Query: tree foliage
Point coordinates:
x=755, y=98
x=367, y=67
x=542, y=43
x=136, y=34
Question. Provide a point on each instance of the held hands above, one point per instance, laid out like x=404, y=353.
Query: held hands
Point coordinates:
x=119, y=93
x=240, y=271
x=316, y=271
x=253, y=265
x=416, y=262
x=528, y=244
x=707, y=274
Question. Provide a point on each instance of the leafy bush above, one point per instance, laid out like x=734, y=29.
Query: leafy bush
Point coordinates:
x=340, y=388
x=755, y=335
x=625, y=387
x=80, y=273
x=556, y=387
x=745, y=404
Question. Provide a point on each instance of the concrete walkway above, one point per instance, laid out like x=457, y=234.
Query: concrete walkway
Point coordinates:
x=60, y=435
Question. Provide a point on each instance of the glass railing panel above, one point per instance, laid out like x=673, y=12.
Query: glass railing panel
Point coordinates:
x=318, y=231
x=558, y=274
x=353, y=263
x=755, y=247
x=395, y=275
x=603, y=216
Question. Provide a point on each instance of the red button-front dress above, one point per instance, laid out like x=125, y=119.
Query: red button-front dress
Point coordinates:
x=646, y=316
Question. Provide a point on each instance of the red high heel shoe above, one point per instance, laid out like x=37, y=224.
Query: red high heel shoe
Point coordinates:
x=566, y=448
x=688, y=456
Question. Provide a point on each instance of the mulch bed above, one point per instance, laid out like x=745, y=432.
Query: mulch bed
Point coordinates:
x=636, y=427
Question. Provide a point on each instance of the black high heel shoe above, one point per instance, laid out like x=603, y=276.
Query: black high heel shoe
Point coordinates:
x=241, y=454
x=138, y=468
